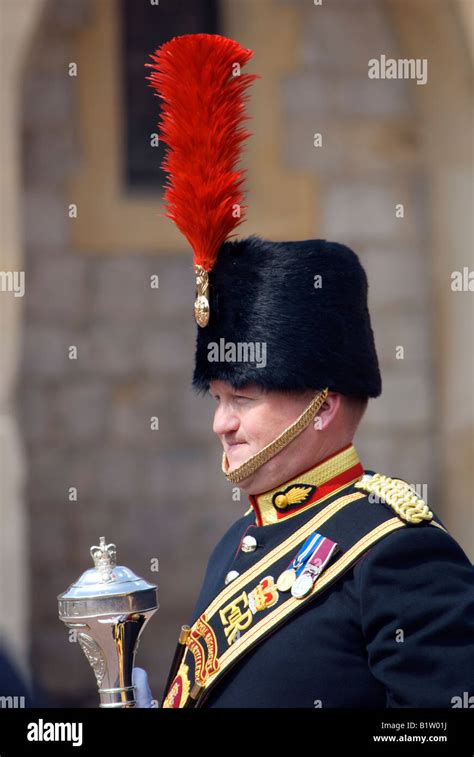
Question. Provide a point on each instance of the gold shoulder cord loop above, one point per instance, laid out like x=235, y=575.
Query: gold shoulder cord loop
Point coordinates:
x=399, y=495
x=265, y=454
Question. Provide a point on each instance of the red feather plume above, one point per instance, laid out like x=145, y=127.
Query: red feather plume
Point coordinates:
x=201, y=123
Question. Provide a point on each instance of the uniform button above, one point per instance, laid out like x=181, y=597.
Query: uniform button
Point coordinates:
x=249, y=543
x=230, y=576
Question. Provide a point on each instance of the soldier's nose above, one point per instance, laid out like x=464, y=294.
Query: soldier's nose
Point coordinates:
x=225, y=421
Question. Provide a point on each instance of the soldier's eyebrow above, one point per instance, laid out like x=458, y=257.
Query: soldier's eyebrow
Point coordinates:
x=252, y=389
x=243, y=389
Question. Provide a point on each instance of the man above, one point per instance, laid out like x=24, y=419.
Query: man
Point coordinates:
x=386, y=617
x=338, y=587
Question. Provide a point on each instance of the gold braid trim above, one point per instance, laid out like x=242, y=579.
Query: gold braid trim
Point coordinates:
x=398, y=494
x=261, y=457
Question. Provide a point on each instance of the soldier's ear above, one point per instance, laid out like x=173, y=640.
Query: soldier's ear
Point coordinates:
x=328, y=410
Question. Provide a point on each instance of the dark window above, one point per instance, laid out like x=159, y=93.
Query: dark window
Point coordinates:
x=146, y=26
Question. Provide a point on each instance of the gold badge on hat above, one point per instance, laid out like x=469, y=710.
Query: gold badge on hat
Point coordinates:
x=201, y=304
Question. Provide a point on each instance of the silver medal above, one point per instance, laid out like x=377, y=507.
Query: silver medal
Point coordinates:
x=302, y=586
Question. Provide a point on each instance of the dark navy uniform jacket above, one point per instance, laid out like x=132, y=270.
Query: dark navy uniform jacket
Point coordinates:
x=396, y=630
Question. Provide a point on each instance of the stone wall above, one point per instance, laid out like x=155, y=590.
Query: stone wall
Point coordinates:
x=86, y=421
x=371, y=160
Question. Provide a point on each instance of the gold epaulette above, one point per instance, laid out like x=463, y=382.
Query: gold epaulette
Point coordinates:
x=398, y=494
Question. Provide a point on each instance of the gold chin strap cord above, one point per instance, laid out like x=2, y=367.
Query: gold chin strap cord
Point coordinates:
x=256, y=461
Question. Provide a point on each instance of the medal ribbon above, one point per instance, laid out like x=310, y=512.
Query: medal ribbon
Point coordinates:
x=318, y=560
x=305, y=552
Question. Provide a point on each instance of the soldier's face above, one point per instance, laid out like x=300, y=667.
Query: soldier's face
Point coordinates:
x=248, y=419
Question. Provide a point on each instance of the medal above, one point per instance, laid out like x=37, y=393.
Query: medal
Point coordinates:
x=302, y=586
x=286, y=579
x=315, y=564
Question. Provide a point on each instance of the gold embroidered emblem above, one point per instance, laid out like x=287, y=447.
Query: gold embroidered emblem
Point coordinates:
x=399, y=495
x=179, y=689
x=234, y=619
x=294, y=495
x=206, y=664
x=264, y=595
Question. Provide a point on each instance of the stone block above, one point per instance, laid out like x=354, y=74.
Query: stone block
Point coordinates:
x=46, y=224
x=197, y=415
x=82, y=408
x=174, y=299
x=49, y=98
x=393, y=452
x=306, y=95
x=119, y=287
x=407, y=328
x=167, y=348
x=406, y=402
x=49, y=157
x=111, y=348
x=119, y=475
x=35, y=414
x=56, y=287
x=366, y=210
x=133, y=404
x=70, y=15
x=398, y=276
x=311, y=95
x=379, y=98
x=343, y=36
x=375, y=449
x=45, y=351
x=54, y=470
x=354, y=146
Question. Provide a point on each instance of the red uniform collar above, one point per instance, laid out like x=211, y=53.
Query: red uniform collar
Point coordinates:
x=307, y=488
